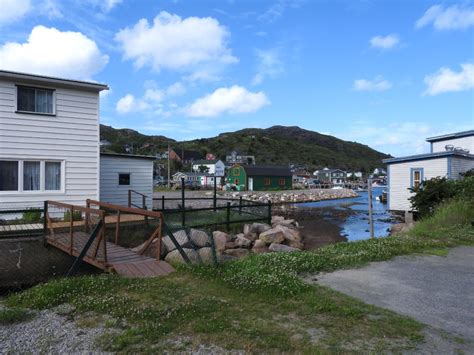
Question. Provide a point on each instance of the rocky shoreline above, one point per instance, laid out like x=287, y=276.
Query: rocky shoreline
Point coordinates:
x=292, y=196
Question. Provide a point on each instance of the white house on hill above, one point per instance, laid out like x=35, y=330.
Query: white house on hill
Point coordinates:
x=213, y=166
x=450, y=156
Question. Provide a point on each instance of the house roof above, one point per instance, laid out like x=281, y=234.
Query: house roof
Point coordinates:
x=450, y=136
x=188, y=154
x=255, y=170
x=206, y=162
x=51, y=80
x=330, y=171
x=131, y=156
x=192, y=173
x=429, y=156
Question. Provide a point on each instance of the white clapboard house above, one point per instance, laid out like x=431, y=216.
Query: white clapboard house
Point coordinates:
x=50, y=148
x=450, y=155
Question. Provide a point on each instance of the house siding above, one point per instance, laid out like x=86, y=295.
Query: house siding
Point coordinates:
x=458, y=166
x=400, y=177
x=241, y=177
x=141, y=180
x=463, y=142
x=259, y=183
x=71, y=136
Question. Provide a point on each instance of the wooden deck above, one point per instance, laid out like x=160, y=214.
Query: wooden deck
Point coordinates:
x=120, y=260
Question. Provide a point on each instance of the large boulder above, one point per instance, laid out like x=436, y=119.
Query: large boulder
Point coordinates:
x=206, y=255
x=238, y=253
x=258, y=228
x=282, y=248
x=294, y=244
x=290, y=234
x=230, y=245
x=251, y=236
x=259, y=247
x=220, y=240
x=274, y=235
x=241, y=241
x=175, y=257
x=180, y=236
x=199, y=238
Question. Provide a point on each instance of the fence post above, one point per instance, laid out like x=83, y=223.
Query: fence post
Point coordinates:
x=215, y=193
x=240, y=205
x=144, y=202
x=129, y=198
x=71, y=230
x=45, y=222
x=270, y=212
x=227, y=222
x=162, y=202
x=183, y=213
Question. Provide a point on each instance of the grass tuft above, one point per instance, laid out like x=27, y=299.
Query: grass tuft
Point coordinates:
x=10, y=316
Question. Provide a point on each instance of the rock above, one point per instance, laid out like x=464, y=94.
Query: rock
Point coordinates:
x=238, y=253
x=241, y=241
x=401, y=227
x=259, y=228
x=175, y=257
x=276, y=219
x=224, y=258
x=246, y=228
x=294, y=244
x=290, y=234
x=206, y=255
x=251, y=236
x=199, y=238
x=282, y=248
x=228, y=237
x=220, y=240
x=259, y=247
x=180, y=236
x=230, y=245
x=274, y=235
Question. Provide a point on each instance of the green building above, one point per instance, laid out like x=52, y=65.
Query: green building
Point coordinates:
x=259, y=178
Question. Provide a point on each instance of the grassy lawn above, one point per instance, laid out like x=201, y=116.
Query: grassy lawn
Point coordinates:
x=255, y=304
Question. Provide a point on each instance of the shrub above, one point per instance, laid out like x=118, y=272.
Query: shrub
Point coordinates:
x=430, y=194
x=77, y=216
x=31, y=216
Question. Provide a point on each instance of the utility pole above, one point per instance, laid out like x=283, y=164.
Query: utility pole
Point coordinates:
x=169, y=172
x=371, y=217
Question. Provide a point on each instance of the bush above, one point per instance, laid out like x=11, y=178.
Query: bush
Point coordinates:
x=31, y=216
x=77, y=216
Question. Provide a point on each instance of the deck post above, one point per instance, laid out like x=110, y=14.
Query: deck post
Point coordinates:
x=227, y=221
x=129, y=198
x=162, y=203
x=71, y=229
x=215, y=193
x=240, y=205
x=269, y=212
x=117, y=228
x=45, y=222
x=183, y=213
x=87, y=216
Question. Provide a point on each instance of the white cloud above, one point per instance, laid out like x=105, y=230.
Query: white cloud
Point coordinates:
x=385, y=42
x=235, y=99
x=176, y=89
x=450, y=18
x=129, y=103
x=277, y=9
x=269, y=65
x=378, y=84
x=49, y=51
x=104, y=5
x=447, y=80
x=190, y=45
x=12, y=10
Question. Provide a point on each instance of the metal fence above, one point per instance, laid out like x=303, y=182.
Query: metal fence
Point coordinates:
x=21, y=222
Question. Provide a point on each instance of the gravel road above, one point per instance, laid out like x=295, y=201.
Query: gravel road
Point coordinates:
x=435, y=290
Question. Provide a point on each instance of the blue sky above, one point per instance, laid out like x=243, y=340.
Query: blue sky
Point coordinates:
x=384, y=73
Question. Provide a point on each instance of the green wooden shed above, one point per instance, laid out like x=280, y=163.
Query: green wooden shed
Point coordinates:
x=259, y=178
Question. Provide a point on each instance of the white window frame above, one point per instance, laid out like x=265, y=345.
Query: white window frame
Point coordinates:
x=33, y=112
x=42, y=190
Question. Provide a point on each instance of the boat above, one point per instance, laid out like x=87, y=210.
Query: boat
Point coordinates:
x=383, y=197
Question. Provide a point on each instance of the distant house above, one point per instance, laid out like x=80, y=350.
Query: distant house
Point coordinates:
x=450, y=156
x=213, y=167
x=354, y=174
x=210, y=156
x=255, y=178
x=194, y=178
x=122, y=172
x=128, y=148
x=104, y=143
x=379, y=171
x=333, y=176
x=235, y=157
x=300, y=176
x=185, y=156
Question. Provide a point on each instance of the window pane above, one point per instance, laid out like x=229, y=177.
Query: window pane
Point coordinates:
x=31, y=175
x=44, y=101
x=8, y=175
x=26, y=99
x=52, y=175
x=124, y=179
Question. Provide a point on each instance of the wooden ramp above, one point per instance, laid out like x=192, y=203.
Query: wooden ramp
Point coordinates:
x=120, y=260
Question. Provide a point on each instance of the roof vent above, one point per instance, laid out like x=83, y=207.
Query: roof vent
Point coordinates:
x=458, y=149
x=466, y=151
x=449, y=147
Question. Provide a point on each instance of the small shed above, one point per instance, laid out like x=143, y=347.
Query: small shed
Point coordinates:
x=122, y=172
x=259, y=178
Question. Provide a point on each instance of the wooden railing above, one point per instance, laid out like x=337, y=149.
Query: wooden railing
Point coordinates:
x=121, y=212
x=57, y=225
x=130, y=199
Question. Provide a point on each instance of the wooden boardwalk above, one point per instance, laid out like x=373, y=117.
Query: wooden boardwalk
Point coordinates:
x=120, y=260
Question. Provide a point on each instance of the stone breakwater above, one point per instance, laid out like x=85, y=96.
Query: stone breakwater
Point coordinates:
x=293, y=196
x=283, y=235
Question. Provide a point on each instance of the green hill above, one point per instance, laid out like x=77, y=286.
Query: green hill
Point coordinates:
x=277, y=145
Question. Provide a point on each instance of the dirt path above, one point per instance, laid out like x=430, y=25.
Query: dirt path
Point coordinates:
x=435, y=290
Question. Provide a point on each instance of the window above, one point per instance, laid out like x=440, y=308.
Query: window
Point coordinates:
x=31, y=176
x=124, y=179
x=237, y=182
x=35, y=100
x=416, y=177
x=8, y=175
x=236, y=171
x=52, y=175
x=266, y=181
x=281, y=182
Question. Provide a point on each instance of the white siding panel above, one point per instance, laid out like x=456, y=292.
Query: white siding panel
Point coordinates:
x=400, y=179
x=71, y=136
x=460, y=165
x=463, y=142
x=141, y=176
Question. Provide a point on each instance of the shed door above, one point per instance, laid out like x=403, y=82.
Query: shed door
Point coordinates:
x=250, y=184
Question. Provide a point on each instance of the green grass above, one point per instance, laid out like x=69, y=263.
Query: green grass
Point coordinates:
x=258, y=304
x=9, y=316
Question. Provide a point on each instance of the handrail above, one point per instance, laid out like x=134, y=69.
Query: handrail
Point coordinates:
x=138, y=193
x=112, y=206
x=130, y=203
